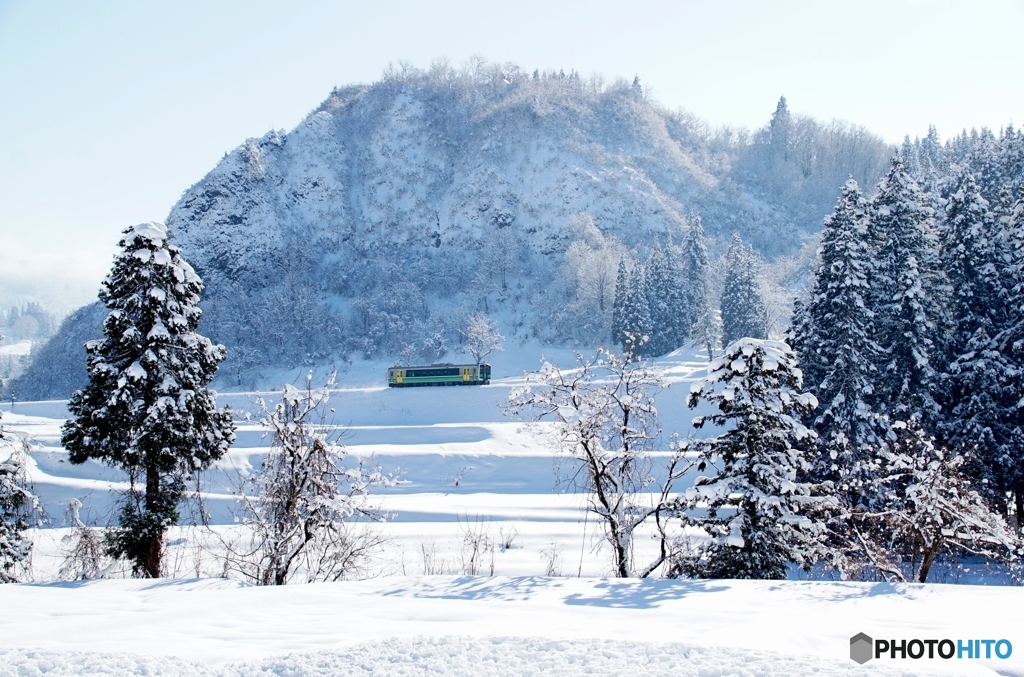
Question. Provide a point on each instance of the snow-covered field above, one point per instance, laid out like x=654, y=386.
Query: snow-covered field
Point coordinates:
x=488, y=625
x=465, y=469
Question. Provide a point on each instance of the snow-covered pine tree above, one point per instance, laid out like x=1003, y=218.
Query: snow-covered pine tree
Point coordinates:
x=909, y=153
x=706, y=331
x=657, y=291
x=981, y=388
x=694, y=276
x=905, y=296
x=1011, y=157
x=743, y=310
x=834, y=341
x=780, y=131
x=147, y=409
x=681, y=312
x=971, y=258
x=637, y=325
x=17, y=507
x=1009, y=343
x=619, y=304
x=757, y=500
x=985, y=164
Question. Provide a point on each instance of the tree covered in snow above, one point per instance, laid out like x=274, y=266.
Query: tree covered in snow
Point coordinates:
x=706, y=331
x=755, y=497
x=588, y=276
x=982, y=382
x=780, y=130
x=606, y=422
x=905, y=296
x=663, y=303
x=834, y=340
x=929, y=508
x=85, y=556
x=743, y=310
x=659, y=300
x=694, y=277
x=18, y=506
x=619, y=304
x=146, y=408
x=300, y=508
x=1007, y=465
x=637, y=323
x=482, y=337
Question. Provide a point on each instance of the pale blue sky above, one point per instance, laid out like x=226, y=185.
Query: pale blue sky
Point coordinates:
x=110, y=110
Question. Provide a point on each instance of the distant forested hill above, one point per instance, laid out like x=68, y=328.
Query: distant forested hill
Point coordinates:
x=396, y=209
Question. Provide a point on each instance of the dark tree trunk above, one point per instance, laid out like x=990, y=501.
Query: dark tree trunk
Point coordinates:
x=1018, y=507
x=930, y=555
x=151, y=545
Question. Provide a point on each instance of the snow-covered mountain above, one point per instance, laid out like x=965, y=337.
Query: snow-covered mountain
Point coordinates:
x=396, y=209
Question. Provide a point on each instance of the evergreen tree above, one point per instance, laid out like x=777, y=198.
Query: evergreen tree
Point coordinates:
x=677, y=294
x=905, y=296
x=743, y=310
x=637, y=325
x=695, y=277
x=780, y=129
x=756, y=501
x=1011, y=157
x=660, y=304
x=833, y=338
x=146, y=408
x=985, y=164
x=1008, y=465
x=909, y=152
x=971, y=260
x=706, y=332
x=17, y=505
x=619, y=304
x=980, y=392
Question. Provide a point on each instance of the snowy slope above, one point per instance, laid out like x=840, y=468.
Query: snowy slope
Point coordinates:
x=444, y=444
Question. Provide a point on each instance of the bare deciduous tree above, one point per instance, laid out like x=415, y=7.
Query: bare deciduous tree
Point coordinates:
x=606, y=422
x=300, y=509
x=482, y=337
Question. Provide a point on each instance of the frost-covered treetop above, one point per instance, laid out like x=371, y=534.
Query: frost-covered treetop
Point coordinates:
x=754, y=373
x=774, y=354
x=153, y=231
x=149, y=243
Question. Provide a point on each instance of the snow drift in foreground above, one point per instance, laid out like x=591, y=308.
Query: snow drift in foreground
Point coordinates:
x=442, y=625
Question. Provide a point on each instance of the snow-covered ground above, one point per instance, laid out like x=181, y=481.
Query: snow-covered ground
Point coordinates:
x=489, y=625
x=19, y=348
x=465, y=469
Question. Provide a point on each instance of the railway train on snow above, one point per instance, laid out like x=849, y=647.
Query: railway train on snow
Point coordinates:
x=440, y=375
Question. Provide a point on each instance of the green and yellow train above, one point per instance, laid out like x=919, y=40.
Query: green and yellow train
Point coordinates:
x=440, y=375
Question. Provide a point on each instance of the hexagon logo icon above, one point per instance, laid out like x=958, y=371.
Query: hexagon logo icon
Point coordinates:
x=861, y=648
